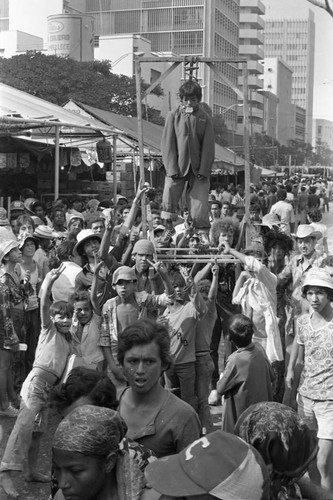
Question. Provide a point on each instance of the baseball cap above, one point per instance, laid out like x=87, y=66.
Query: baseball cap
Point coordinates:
x=219, y=464
x=318, y=277
x=17, y=205
x=123, y=273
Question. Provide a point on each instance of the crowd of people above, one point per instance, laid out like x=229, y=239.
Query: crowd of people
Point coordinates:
x=132, y=324
x=100, y=320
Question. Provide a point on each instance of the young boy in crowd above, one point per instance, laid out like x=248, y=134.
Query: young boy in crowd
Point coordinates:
x=85, y=330
x=53, y=350
x=248, y=376
x=182, y=315
x=129, y=306
x=204, y=365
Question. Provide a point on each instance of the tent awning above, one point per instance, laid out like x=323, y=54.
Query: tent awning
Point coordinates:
x=152, y=135
x=22, y=112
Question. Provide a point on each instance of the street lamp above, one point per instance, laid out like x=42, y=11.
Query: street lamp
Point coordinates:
x=230, y=107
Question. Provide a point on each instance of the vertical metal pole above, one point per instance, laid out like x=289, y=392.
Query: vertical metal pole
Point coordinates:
x=246, y=144
x=114, y=171
x=9, y=200
x=140, y=140
x=56, y=164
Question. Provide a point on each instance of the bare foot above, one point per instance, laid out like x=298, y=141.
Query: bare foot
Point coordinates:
x=7, y=484
x=37, y=477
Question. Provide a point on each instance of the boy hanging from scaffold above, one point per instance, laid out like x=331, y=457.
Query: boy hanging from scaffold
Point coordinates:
x=188, y=154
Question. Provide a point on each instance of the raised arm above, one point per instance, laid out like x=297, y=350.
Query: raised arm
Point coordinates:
x=45, y=301
x=94, y=290
x=163, y=272
x=129, y=221
x=196, y=297
x=215, y=282
x=105, y=243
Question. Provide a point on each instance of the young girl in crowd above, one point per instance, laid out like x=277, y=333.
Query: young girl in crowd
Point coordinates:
x=248, y=376
x=315, y=391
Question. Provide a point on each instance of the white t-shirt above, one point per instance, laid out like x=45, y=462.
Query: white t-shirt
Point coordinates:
x=64, y=286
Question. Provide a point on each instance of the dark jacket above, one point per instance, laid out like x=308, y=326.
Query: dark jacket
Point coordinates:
x=188, y=140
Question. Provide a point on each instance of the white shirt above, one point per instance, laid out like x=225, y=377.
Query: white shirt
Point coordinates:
x=64, y=286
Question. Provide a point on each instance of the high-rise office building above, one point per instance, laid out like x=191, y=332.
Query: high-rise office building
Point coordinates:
x=251, y=47
x=4, y=15
x=184, y=27
x=293, y=40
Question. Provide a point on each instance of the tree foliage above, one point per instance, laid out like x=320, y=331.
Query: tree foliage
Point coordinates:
x=266, y=151
x=58, y=79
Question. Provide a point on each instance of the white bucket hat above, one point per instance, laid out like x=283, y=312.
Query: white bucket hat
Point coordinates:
x=318, y=277
x=7, y=245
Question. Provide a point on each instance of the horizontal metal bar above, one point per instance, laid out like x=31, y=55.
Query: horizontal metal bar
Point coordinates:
x=189, y=59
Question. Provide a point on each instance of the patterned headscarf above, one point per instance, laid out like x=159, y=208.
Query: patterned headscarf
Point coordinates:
x=284, y=441
x=90, y=430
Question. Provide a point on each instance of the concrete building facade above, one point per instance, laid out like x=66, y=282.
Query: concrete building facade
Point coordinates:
x=293, y=41
x=251, y=41
x=278, y=80
x=122, y=48
x=323, y=132
x=14, y=42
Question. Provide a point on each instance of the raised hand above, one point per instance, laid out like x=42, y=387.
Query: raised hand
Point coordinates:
x=55, y=273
